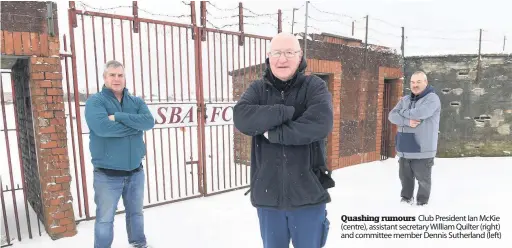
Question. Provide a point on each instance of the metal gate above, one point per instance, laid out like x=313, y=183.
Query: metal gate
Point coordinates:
x=387, y=147
x=16, y=138
x=185, y=75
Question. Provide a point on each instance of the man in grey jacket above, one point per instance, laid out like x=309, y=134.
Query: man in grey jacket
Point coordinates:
x=417, y=117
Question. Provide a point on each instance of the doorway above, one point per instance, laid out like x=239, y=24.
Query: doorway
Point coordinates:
x=387, y=148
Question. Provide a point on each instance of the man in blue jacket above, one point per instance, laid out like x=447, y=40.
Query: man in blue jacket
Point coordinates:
x=289, y=115
x=417, y=117
x=116, y=121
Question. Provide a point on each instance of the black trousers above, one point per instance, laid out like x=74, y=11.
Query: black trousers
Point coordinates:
x=420, y=169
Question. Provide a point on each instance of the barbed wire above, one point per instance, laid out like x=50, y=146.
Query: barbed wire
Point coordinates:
x=315, y=28
x=384, y=33
x=221, y=9
x=331, y=13
x=220, y=17
x=330, y=20
x=237, y=24
x=85, y=6
x=374, y=30
x=254, y=13
x=166, y=15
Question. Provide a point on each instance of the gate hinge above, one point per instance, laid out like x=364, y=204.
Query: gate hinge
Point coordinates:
x=201, y=108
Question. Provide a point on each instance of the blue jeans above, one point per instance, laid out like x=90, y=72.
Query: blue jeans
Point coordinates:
x=107, y=191
x=308, y=227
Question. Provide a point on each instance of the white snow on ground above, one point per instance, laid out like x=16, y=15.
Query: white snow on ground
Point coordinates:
x=461, y=186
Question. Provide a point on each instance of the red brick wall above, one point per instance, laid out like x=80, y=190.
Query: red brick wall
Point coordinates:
x=51, y=144
x=46, y=97
x=384, y=73
x=334, y=69
x=28, y=43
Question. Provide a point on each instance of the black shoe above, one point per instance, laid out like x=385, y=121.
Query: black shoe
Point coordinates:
x=405, y=200
x=421, y=203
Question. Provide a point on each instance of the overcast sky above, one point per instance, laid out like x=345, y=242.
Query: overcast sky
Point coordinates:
x=431, y=26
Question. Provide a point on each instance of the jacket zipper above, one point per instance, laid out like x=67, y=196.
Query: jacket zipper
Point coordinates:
x=283, y=197
x=130, y=137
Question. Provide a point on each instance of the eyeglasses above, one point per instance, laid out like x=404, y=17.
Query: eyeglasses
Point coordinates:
x=287, y=54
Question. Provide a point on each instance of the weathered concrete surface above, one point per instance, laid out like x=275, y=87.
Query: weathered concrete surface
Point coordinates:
x=476, y=116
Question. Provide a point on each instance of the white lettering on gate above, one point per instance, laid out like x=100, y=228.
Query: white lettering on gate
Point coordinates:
x=173, y=115
x=169, y=115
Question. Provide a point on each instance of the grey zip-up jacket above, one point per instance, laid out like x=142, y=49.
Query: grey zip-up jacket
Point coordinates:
x=421, y=141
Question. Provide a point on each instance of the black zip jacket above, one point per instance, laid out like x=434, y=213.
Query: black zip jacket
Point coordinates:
x=288, y=168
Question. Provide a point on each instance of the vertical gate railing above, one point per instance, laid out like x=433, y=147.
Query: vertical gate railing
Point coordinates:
x=231, y=61
x=190, y=76
x=13, y=197
x=161, y=65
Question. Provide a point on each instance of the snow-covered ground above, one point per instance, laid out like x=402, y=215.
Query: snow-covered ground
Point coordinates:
x=461, y=187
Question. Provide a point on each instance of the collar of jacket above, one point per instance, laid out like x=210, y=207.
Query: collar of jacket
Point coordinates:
x=269, y=77
x=429, y=89
x=110, y=93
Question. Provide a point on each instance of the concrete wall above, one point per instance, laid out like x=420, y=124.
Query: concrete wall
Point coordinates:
x=476, y=118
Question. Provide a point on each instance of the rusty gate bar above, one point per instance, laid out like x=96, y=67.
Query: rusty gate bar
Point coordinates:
x=194, y=166
x=72, y=22
x=168, y=176
x=20, y=157
x=16, y=175
x=9, y=163
x=68, y=89
x=95, y=56
x=222, y=141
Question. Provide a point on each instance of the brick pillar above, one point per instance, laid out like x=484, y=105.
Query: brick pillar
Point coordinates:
x=334, y=139
x=333, y=69
x=51, y=142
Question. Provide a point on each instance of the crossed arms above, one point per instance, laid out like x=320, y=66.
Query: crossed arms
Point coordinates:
x=314, y=124
x=401, y=115
x=124, y=124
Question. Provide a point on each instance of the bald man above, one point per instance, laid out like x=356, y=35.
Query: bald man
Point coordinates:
x=417, y=117
x=289, y=115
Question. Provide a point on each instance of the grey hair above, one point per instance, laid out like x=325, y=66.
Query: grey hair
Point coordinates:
x=112, y=64
x=420, y=73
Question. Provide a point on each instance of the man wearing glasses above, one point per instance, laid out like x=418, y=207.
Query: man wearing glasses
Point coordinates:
x=288, y=115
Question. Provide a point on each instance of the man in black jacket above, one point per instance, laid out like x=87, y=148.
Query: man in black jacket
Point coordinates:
x=289, y=116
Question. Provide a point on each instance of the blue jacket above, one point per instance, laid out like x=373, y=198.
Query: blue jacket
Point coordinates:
x=117, y=145
x=287, y=169
x=421, y=141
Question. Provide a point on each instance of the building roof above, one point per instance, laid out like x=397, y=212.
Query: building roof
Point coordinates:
x=340, y=37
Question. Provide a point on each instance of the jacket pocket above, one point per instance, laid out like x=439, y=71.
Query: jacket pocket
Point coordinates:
x=98, y=148
x=305, y=189
x=265, y=188
x=406, y=142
